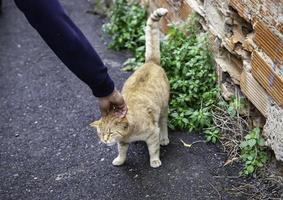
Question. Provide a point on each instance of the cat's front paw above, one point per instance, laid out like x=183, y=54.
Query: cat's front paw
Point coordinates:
x=155, y=163
x=118, y=161
x=164, y=141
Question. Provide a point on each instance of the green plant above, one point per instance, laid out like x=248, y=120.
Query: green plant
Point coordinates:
x=100, y=7
x=234, y=107
x=212, y=134
x=253, y=152
x=126, y=27
x=188, y=63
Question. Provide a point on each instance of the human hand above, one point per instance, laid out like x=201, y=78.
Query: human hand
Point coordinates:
x=114, y=102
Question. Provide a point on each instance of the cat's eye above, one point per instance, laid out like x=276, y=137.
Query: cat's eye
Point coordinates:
x=126, y=126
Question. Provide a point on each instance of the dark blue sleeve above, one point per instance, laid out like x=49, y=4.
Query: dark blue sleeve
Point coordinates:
x=68, y=43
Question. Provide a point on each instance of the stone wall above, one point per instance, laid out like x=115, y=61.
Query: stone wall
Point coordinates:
x=248, y=36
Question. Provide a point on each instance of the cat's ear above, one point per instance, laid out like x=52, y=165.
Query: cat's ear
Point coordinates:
x=123, y=118
x=95, y=124
x=121, y=113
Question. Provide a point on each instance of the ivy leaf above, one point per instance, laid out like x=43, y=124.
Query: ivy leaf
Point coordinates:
x=208, y=138
x=250, y=169
x=259, y=164
x=243, y=144
x=185, y=120
x=261, y=142
x=250, y=158
x=251, y=142
x=174, y=114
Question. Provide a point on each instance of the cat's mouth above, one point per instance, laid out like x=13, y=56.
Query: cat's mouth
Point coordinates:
x=110, y=143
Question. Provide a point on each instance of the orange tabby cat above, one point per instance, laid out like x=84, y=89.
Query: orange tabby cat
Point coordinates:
x=146, y=94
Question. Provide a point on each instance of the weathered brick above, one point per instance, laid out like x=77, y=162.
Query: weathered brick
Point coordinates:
x=252, y=89
x=241, y=8
x=269, y=11
x=270, y=43
x=267, y=77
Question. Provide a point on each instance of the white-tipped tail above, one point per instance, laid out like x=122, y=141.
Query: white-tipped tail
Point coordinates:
x=152, y=49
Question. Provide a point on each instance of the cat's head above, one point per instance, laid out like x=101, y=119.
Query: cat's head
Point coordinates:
x=111, y=128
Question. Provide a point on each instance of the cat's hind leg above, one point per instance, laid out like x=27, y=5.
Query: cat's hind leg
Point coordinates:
x=121, y=158
x=153, y=145
x=164, y=140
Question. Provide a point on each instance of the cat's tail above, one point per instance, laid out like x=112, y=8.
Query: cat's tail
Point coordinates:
x=152, y=47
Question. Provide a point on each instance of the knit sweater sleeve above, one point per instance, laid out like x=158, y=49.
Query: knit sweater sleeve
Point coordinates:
x=68, y=43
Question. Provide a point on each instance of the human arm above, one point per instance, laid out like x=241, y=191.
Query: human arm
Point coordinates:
x=72, y=47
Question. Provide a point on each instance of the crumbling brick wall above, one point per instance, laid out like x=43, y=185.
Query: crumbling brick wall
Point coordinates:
x=248, y=35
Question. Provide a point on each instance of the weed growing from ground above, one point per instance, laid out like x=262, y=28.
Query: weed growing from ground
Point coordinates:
x=253, y=151
x=186, y=58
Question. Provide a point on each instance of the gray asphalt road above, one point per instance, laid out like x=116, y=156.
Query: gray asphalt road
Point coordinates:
x=48, y=151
